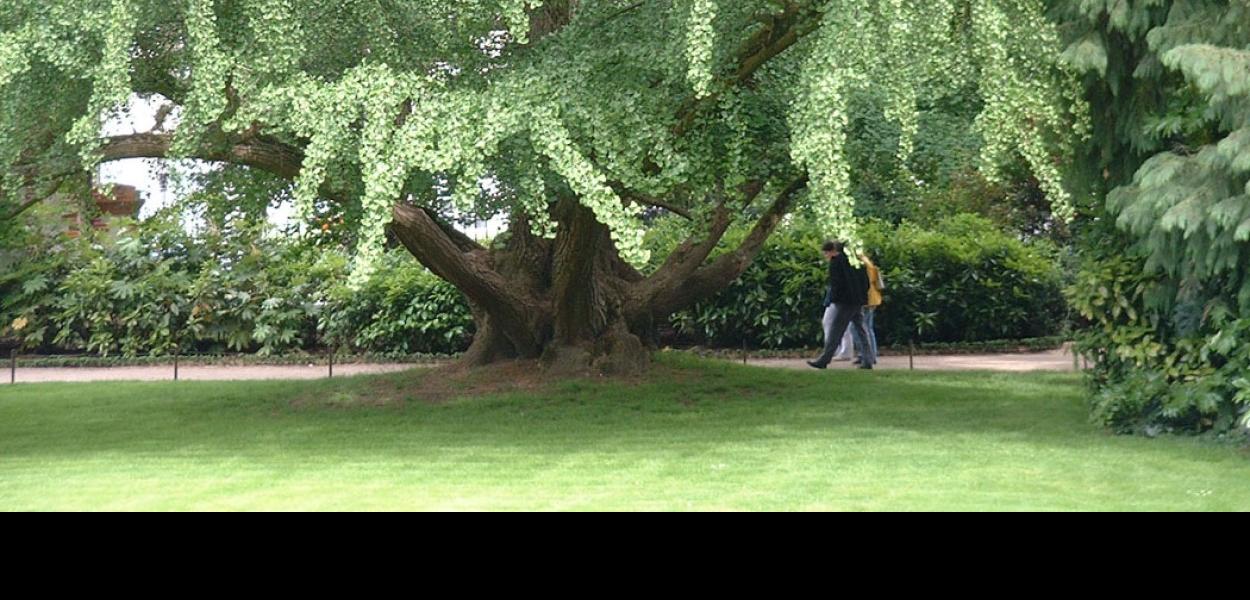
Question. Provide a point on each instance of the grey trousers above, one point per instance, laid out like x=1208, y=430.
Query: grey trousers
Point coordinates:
x=837, y=318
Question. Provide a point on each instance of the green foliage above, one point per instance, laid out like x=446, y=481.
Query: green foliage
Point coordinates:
x=403, y=309
x=303, y=359
x=940, y=178
x=1166, y=304
x=1189, y=209
x=1125, y=85
x=775, y=304
x=964, y=280
x=912, y=56
x=1158, y=365
x=1015, y=204
x=382, y=101
x=241, y=290
x=156, y=289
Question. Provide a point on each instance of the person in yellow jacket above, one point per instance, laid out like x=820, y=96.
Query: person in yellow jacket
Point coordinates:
x=876, y=289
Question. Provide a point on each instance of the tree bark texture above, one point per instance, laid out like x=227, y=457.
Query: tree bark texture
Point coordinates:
x=573, y=302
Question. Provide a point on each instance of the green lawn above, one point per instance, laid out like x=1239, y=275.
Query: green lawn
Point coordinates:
x=697, y=435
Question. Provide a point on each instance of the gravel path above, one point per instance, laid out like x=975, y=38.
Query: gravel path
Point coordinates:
x=1058, y=360
x=196, y=373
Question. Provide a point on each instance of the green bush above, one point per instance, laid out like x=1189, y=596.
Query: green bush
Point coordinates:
x=775, y=304
x=157, y=289
x=964, y=280
x=403, y=309
x=1159, y=365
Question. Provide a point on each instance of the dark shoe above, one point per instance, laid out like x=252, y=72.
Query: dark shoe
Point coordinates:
x=815, y=365
x=865, y=367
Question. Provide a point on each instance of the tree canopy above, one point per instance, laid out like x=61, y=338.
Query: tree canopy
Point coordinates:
x=1165, y=283
x=614, y=102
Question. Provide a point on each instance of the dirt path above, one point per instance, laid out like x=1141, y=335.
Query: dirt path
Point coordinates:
x=1056, y=360
x=196, y=373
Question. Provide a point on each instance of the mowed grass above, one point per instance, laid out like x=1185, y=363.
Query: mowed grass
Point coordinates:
x=693, y=435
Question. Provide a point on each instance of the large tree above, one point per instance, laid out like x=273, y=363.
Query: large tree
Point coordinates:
x=575, y=119
x=1166, y=282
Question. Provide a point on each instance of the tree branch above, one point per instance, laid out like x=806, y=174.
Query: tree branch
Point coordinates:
x=266, y=154
x=780, y=33
x=549, y=18
x=472, y=273
x=25, y=205
x=620, y=13
x=632, y=196
x=707, y=280
x=692, y=253
x=457, y=237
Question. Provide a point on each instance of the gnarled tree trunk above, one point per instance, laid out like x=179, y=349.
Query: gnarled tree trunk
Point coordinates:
x=572, y=302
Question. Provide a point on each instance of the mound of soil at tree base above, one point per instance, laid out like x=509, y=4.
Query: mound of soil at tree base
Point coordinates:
x=456, y=382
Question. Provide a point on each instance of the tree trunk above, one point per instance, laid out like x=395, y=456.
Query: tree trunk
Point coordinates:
x=588, y=296
x=573, y=303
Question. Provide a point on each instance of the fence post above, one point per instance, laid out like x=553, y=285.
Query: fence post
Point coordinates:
x=911, y=355
x=333, y=351
x=177, y=351
x=13, y=367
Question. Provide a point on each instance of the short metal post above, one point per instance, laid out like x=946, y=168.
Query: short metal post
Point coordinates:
x=744, y=351
x=177, y=351
x=13, y=367
x=911, y=355
x=332, y=353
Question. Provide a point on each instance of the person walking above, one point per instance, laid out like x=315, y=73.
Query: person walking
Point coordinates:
x=876, y=297
x=845, y=297
x=851, y=341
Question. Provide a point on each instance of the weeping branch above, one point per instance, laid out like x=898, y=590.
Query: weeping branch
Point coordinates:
x=779, y=33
